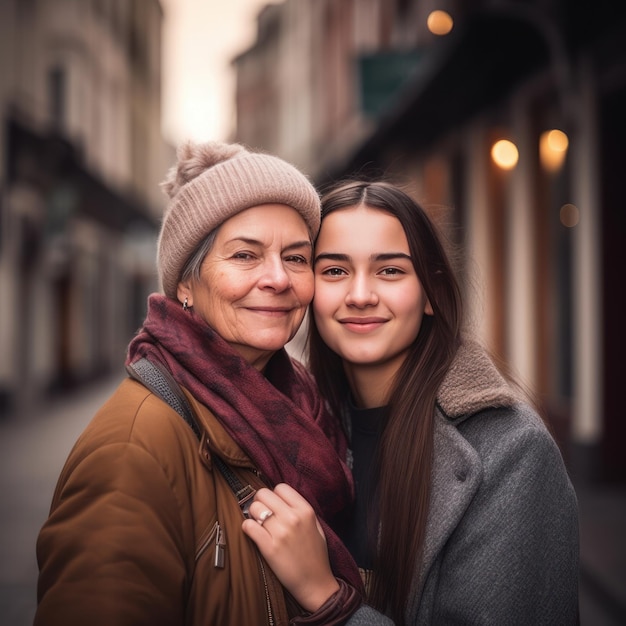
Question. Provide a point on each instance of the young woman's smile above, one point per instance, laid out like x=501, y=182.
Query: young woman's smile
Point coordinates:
x=362, y=324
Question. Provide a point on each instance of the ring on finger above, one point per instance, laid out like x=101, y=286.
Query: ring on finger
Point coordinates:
x=264, y=515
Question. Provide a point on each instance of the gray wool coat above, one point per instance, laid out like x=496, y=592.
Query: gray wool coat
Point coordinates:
x=502, y=536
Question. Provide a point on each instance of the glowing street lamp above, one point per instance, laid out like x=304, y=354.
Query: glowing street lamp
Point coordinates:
x=504, y=154
x=439, y=22
x=553, y=146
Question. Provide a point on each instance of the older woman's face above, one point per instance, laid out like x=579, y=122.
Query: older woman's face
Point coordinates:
x=256, y=282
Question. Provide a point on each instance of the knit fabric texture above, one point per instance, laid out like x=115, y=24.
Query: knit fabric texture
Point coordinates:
x=235, y=179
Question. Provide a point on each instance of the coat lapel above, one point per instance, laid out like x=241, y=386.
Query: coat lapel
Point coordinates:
x=456, y=475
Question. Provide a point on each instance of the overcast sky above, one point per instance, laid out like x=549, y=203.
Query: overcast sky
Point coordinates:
x=200, y=39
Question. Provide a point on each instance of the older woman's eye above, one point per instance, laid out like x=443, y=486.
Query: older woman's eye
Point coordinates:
x=244, y=256
x=297, y=258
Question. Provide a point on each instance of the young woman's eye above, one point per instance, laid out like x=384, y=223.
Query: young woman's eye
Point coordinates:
x=333, y=271
x=391, y=271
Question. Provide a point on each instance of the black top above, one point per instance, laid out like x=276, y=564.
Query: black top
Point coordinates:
x=364, y=442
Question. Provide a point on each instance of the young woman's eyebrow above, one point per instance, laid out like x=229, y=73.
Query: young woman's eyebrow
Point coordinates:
x=383, y=256
x=390, y=256
x=332, y=256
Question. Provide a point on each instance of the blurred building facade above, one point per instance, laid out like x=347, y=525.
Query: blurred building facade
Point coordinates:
x=366, y=87
x=82, y=154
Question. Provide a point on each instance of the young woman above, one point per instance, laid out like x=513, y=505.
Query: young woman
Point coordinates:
x=464, y=510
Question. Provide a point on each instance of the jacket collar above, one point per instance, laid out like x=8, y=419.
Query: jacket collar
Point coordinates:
x=472, y=384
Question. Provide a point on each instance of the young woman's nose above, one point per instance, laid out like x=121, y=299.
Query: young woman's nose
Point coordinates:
x=274, y=275
x=360, y=293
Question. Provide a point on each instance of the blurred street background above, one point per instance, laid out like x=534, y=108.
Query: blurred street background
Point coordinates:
x=504, y=118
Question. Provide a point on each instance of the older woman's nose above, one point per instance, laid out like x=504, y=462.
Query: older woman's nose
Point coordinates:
x=274, y=275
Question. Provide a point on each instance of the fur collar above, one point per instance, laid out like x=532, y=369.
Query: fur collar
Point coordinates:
x=473, y=383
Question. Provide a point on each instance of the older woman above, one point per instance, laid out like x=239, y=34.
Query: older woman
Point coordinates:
x=144, y=527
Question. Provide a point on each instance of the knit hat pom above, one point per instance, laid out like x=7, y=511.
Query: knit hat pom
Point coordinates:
x=193, y=159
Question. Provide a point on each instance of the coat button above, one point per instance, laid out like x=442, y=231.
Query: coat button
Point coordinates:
x=460, y=475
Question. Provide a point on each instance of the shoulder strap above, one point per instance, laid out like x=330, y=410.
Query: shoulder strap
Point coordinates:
x=161, y=383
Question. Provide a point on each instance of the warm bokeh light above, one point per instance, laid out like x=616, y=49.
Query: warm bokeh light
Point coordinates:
x=553, y=146
x=505, y=154
x=439, y=23
x=569, y=215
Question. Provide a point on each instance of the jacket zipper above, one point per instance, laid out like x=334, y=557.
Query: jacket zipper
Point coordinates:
x=270, y=615
x=216, y=536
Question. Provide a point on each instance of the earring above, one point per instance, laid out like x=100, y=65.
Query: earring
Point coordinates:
x=185, y=305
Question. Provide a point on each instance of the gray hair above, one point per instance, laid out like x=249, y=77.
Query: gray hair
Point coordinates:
x=191, y=269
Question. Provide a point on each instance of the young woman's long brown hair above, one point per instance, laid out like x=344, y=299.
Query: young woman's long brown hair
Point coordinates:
x=405, y=454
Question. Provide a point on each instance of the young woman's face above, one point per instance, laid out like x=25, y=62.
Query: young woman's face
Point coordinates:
x=256, y=282
x=369, y=302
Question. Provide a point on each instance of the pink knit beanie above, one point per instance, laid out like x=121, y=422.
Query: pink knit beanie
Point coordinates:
x=213, y=181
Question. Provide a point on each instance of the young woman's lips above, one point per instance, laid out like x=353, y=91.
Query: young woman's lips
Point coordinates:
x=362, y=324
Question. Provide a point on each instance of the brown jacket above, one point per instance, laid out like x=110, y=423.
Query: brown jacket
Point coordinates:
x=131, y=537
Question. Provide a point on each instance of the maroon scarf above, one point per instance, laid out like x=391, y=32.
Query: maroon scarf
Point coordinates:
x=276, y=416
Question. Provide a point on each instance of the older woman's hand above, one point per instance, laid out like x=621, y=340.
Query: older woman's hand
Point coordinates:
x=286, y=530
